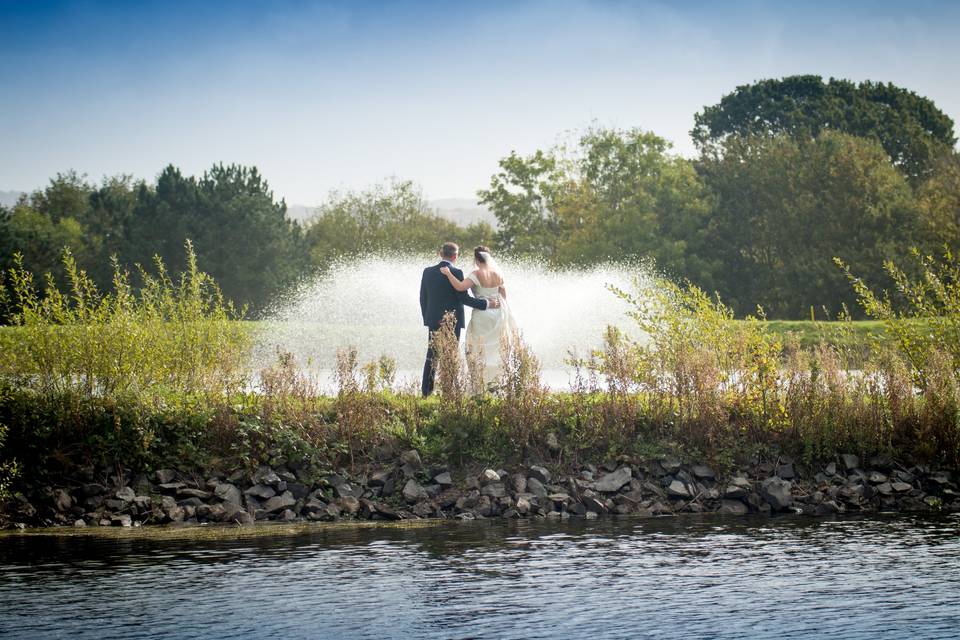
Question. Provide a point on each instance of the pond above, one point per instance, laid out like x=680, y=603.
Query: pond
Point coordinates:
x=694, y=577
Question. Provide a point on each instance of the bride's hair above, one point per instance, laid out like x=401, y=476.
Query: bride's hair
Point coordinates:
x=482, y=256
x=478, y=254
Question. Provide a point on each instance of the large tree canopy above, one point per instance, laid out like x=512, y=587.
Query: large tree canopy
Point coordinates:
x=911, y=129
x=787, y=207
x=391, y=216
x=612, y=194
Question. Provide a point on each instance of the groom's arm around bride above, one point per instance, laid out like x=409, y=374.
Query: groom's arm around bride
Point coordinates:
x=438, y=297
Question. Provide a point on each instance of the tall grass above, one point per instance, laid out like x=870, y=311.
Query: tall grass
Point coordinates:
x=167, y=339
x=699, y=382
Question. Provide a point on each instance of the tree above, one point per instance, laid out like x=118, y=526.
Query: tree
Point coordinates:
x=938, y=199
x=241, y=234
x=391, y=216
x=612, y=194
x=520, y=198
x=787, y=207
x=911, y=129
x=626, y=195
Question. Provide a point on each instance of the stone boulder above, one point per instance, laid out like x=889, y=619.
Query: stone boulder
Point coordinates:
x=279, y=503
x=732, y=508
x=413, y=492
x=613, y=481
x=540, y=474
x=776, y=491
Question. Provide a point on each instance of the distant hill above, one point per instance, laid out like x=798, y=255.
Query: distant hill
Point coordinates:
x=463, y=211
x=9, y=198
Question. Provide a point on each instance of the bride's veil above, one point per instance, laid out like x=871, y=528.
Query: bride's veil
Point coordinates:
x=491, y=263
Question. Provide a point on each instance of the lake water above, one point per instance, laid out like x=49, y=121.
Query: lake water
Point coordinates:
x=789, y=577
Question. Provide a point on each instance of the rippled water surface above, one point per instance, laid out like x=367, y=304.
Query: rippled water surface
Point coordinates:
x=891, y=577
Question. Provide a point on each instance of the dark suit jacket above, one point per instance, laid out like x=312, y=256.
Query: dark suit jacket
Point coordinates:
x=437, y=297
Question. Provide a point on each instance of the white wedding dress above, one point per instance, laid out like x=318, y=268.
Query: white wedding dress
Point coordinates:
x=489, y=328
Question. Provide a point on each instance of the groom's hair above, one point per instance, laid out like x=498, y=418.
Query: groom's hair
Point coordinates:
x=449, y=250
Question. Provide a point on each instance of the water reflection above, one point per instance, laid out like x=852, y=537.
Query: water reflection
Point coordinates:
x=883, y=576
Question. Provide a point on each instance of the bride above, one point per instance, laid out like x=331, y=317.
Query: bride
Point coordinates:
x=487, y=328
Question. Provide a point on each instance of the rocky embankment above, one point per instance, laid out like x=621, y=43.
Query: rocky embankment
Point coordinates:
x=409, y=489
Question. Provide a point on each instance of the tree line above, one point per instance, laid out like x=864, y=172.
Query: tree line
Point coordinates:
x=789, y=174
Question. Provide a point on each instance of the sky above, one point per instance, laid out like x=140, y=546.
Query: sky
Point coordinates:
x=340, y=95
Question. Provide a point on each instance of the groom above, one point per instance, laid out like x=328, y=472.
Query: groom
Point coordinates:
x=437, y=297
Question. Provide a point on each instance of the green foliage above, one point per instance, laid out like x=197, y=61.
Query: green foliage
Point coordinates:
x=927, y=329
x=240, y=234
x=166, y=340
x=613, y=194
x=786, y=207
x=9, y=468
x=387, y=217
x=909, y=127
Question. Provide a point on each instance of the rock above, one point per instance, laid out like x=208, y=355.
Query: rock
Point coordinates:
x=228, y=493
x=523, y=505
x=126, y=494
x=786, y=472
x=734, y=492
x=826, y=508
x=266, y=476
x=443, y=479
x=165, y=476
x=875, y=477
x=279, y=503
x=559, y=499
x=62, y=500
x=536, y=487
x=79, y=523
x=594, y=505
x=230, y=511
x=776, y=491
x=313, y=505
x=244, y=519
x=172, y=487
x=187, y=492
x=518, y=482
x=121, y=520
x=288, y=515
x=677, y=489
x=387, y=513
x=424, y=509
x=670, y=464
x=494, y=490
x=612, y=482
x=850, y=461
x=379, y=478
x=413, y=492
x=703, y=472
x=349, y=505
x=831, y=469
x=260, y=491
x=298, y=489
x=885, y=488
x=901, y=487
x=92, y=489
x=344, y=488
x=940, y=477
x=411, y=459
x=540, y=474
x=732, y=508
x=488, y=476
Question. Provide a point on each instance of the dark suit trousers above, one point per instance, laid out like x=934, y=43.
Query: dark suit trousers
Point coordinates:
x=429, y=373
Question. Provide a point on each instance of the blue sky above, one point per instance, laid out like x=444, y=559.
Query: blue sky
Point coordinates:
x=325, y=95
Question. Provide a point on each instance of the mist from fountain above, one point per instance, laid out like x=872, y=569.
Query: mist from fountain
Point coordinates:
x=372, y=303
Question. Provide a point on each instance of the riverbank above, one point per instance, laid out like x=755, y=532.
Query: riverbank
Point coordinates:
x=410, y=489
